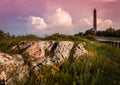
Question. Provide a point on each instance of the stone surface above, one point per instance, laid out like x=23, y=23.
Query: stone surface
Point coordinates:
x=6, y=66
x=11, y=68
x=80, y=50
x=21, y=70
x=33, y=50
x=62, y=51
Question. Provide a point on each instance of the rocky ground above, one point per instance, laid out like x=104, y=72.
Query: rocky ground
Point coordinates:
x=28, y=56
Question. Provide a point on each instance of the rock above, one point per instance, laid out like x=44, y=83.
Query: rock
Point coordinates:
x=49, y=52
x=62, y=51
x=80, y=50
x=21, y=46
x=12, y=67
x=33, y=50
x=6, y=67
x=21, y=71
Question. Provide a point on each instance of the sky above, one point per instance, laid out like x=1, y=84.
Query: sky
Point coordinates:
x=44, y=17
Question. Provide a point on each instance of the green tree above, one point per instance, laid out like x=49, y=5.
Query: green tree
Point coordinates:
x=3, y=35
x=110, y=32
x=79, y=34
x=90, y=32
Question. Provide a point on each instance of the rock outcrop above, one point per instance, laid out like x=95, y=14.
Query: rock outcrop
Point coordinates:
x=30, y=55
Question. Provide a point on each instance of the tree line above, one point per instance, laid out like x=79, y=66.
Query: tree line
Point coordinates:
x=110, y=32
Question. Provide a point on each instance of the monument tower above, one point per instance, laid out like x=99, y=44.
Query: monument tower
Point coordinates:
x=95, y=20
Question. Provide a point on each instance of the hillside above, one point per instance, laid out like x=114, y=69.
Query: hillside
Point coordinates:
x=75, y=61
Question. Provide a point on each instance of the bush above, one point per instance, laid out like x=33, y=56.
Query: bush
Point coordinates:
x=90, y=32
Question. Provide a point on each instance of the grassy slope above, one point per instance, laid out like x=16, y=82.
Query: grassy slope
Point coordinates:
x=110, y=57
x=103, y=69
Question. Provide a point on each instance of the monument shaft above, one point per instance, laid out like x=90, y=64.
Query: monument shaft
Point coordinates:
x=95, y=19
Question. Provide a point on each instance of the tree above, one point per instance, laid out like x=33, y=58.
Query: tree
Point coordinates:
x=110, y=32
x=90, y=32
x=3, y=34
x=79, y=34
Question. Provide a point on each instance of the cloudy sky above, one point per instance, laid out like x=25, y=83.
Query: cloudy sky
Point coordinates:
x=42, y=17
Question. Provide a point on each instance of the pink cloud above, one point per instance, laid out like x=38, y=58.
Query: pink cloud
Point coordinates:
x=61, y=18
x=36, y=23
x=102, y=23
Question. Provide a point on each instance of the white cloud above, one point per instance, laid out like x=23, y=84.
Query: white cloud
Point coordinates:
x=102, y=23
x=61, y=18
x=86, y=21
x=59, y=22
x=36, y=23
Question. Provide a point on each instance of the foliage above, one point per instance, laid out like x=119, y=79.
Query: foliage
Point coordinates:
x=3, y=35
x=90, y=37
x=62, y=37
x=79, y=34
x=76, y=72
x=110, y=32
x=90, y=32
x=110, y=62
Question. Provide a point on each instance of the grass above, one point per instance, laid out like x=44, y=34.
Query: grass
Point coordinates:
x=76, y=72
x=110, y=58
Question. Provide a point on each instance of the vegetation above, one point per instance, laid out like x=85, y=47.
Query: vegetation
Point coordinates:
x=90, y=32
x=110, y=32
x=61, y=37
x=100, y=67
x=3, y=35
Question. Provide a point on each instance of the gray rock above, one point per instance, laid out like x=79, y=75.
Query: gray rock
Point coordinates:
x=62, y=51
x=80, y=50
x=12, y=67
x=6, y=67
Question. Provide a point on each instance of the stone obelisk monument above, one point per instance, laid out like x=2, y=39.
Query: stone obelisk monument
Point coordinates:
x=95, y=20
